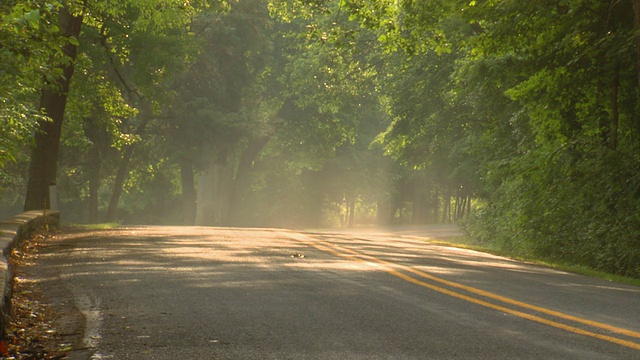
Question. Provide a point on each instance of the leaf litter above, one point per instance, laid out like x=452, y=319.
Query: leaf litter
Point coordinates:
x=32, y=332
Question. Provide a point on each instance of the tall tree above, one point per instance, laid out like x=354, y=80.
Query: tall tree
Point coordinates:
x=217, y=117
x=43, y=166
x=44, y=155
x=29, y=40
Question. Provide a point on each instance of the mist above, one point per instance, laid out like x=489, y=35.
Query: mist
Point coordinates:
x=343, y=115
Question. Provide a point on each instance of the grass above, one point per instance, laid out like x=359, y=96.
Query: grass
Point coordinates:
x=103, y=226
x=465, y=242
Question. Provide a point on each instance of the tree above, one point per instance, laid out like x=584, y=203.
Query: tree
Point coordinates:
x=217, y=119
x=28, y=40
x=54, y=95
x=570, y=104
x=42, y=171
x=538, y=112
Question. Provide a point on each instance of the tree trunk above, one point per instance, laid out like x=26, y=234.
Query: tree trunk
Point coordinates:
x=615, y=116
x=188, y=191
x=420, y=211
x=121, y=176
x=610, y=130
x=53, y=101
x=458, y=208
x=467, y=205
x=225, y=170
x=382, y=212
x=123, y=169
x=351, y=219
x=94, y=185
x=242, y=181
x=436, y=207
x=464, y=203
x=636, y=11
x=93, y=132
x=446, y=211
x=345, y=203
x=204, y=198
x=213, y=191
x=393, y=209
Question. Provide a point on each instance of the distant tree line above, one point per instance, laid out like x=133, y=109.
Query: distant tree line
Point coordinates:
x=519, y=120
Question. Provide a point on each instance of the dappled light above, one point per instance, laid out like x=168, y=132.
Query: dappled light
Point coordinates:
x=248, y=282
x=347, y=115
x=243, y=156
x=207, y=257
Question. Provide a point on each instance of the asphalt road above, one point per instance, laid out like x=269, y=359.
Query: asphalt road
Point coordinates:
x=219, y=293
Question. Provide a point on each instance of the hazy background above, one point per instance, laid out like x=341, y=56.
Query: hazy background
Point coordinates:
x=517, y=120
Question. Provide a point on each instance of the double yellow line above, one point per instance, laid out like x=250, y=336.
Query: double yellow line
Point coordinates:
x=395, y=270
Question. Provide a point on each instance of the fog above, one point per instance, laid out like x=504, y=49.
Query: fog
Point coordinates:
x=333, y=114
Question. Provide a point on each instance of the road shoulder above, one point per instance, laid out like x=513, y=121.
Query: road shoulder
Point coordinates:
x=44, y=323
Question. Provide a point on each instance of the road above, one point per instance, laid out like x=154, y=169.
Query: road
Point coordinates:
x=224, y=293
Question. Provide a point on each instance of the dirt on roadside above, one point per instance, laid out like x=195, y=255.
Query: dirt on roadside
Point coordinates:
x=44, y=322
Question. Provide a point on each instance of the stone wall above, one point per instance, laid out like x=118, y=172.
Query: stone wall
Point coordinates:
x=12, y=232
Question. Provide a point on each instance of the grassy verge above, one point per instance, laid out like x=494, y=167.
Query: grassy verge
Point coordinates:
x=465, y=242
x=103, y=226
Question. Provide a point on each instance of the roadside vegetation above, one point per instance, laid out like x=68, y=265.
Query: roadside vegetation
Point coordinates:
x=465, y=242
x=518, y=120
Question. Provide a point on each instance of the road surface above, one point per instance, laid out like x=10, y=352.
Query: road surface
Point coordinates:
x=224, y=293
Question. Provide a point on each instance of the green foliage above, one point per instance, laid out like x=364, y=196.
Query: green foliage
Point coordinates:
x=129, y=52
x=560, y=181
x=29, y=39
x=528, y=107
x=580, y=212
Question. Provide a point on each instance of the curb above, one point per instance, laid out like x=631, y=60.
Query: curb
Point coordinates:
x=12, y=232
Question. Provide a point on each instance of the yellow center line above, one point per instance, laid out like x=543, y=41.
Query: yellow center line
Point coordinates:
x=388, y=268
